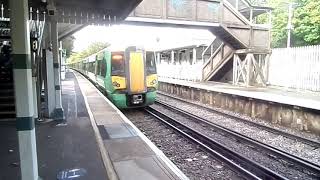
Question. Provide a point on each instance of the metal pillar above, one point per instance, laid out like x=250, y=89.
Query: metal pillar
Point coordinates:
x=194, y=55
x=23, y=89
x=48, y=73
x=172, y=57
x=289, y=27
x=58, y=112
x=63, y=62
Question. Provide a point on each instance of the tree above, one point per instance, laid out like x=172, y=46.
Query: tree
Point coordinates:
x=67, y=44
x=92, y=48
x=306, y=22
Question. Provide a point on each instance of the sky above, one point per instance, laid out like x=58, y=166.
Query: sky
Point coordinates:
x=151, y=38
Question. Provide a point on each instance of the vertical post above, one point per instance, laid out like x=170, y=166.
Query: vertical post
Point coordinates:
x=249, y=69
x=158, y=58
x=58, y=112
x=251, y=15
x=63, y=63
x=270, y=26
x=289, y=24
x=23, y=89
x=234, y=69
x=237, y=4
x=194, y=56
x=172, y=57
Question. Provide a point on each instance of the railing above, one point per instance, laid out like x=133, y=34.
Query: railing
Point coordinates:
x=243, y=5
x=207, y=66
x=211, y=49
x=220, y=56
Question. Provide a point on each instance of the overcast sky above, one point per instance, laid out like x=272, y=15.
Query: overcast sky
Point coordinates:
x=146, y=36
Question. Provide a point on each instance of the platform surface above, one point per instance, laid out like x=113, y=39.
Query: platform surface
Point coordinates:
x=133, y=156
x=60, y=146
x=278, y=95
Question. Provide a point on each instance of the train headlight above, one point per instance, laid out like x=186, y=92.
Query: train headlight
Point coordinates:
x=116, y=84
x=153, y=82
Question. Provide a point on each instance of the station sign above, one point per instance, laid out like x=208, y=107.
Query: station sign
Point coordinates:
x=5, y=29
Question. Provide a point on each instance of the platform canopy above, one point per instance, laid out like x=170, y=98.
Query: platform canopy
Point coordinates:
x=73, y=15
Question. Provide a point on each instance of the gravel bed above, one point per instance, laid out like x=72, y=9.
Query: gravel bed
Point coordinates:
x=291, y=146
x=268, y=160
x=296, y=132
x=187, y=156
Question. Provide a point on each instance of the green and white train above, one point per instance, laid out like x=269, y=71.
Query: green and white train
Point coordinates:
x=127, y=76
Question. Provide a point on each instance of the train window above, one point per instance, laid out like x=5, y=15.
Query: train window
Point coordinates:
x=150, y=63
x=99, y=67
x=103, y=68
x=90, y=67
x=117, y=65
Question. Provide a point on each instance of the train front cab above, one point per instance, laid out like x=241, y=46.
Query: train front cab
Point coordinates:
x=134, y=78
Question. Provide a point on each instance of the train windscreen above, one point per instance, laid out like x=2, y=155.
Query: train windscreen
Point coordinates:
x=117, y=65
x=150, y=63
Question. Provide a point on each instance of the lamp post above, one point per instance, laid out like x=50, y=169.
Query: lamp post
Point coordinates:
x=289, y=27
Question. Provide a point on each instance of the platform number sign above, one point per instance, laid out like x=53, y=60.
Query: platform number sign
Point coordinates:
x=34, y=44
x=5, y=30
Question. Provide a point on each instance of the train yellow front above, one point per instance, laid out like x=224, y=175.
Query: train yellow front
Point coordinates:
x=128, y=77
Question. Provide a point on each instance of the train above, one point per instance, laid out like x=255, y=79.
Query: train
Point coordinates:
x=127, y=76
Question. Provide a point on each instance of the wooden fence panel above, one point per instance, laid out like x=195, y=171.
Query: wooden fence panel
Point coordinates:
x=297, y=67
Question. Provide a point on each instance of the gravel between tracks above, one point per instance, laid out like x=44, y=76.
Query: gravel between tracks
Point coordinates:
x=286, y=144
x=187, y=156
x=278, y=165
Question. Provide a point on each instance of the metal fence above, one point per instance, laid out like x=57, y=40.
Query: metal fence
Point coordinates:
x=297, y=68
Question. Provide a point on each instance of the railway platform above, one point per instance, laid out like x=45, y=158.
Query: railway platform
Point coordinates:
x=280, y=106
x=96, y=141
x=127, y=153
x=62, y=146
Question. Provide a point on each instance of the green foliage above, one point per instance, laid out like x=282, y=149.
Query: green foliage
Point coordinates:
x=306, y=22
x=67, y=44
x=92, y=48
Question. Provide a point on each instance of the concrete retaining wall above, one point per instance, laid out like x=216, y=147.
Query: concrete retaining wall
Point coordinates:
x=290, y=116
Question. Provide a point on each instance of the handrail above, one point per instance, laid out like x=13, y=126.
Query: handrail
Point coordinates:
x=211, y=48
x=248, y=5
x=205, y=50
x=213, y=55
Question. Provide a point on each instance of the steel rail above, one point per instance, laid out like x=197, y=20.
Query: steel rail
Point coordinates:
x=248, y=168
x=280, y=153
x=310, y=142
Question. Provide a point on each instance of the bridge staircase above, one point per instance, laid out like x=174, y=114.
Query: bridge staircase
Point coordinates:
x=7, y=96
x=236, y=35
x=7, y=102
x=231, y=21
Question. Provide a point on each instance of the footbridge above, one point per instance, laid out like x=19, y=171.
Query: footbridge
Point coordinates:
x=233, y=22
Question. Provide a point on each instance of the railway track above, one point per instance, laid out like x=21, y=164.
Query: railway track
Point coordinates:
x=193, y=160
x=313, y=169
x=311, y=142
x=246, y=167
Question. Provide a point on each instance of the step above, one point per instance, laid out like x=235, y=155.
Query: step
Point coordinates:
x=7, y=119
x=6, y=99
x=6, y=92
x=7, y=105
x=6, y=85
x=7, y=113
x=7, y=108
